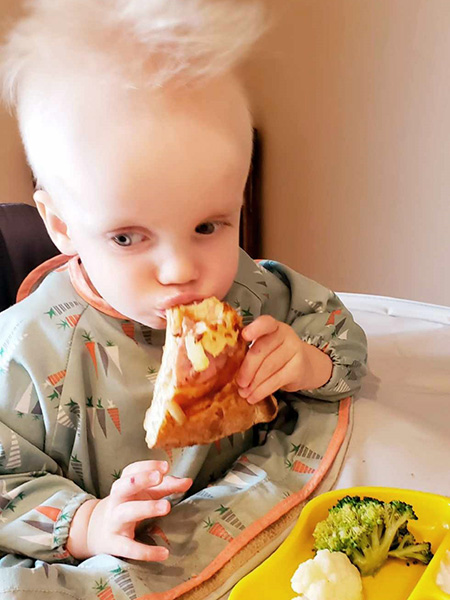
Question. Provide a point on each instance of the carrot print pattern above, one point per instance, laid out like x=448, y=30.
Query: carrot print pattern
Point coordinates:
x=116, y=474
x=314, y=305
x=77, y=467
x=128, y=329
x=218, y=530
x=104, y=591
x=60, y=309
x=49, y=511
x=91, y=411
x=205, y=494
x=104, y=357
x=90, y=346
x=113, y=412
x=298, y=466
x=15, y=457
x=112, y=352
x=70, y=321
x=152, y=374
x=55, y=377
x=247, y=315
x=73, y=320
x=73, y=407
x=332, y=317
x=123, y=580
x=304, y=452
x=101, y=416
x=230, y=517
x=63, y=418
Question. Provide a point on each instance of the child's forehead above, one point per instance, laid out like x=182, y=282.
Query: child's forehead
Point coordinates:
x=198, y=142
x=169, y=130
x=219, y=105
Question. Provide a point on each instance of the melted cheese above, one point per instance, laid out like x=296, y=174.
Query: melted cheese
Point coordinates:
x=196, y=353
x=209, y=326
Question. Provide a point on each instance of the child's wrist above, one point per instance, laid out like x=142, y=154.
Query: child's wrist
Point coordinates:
x=77, y=544
x=321, y=368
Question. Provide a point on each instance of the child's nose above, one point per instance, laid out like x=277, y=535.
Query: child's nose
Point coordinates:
x=177, y=269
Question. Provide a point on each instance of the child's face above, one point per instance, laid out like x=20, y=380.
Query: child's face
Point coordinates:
x=155, y=217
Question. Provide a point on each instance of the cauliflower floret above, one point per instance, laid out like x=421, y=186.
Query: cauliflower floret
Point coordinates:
x=443, y=577
x=327, y=576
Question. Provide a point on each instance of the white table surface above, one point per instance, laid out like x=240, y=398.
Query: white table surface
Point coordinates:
x=401, y=434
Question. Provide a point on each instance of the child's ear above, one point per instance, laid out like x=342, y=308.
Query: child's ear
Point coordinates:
x=56, y=227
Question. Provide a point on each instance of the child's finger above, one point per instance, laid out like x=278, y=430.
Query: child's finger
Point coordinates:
x=271, y=365
x=170, y=485
x=128, y=548
x=131, y=485
x=270, y=385
x=146, y=465
x=263, y=325
x=256, y=357
x=135, y=511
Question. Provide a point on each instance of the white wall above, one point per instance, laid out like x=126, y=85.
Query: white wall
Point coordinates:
x=352, y=98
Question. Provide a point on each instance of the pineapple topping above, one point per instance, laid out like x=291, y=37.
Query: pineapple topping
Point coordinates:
x=208, y=326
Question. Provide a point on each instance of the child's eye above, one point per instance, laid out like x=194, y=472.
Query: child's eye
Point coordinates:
x=127, y=239
x=207, y=228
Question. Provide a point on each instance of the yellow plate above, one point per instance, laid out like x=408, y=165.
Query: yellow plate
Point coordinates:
x=395, y=580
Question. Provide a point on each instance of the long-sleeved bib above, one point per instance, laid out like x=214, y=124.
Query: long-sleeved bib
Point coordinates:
x=75, y=384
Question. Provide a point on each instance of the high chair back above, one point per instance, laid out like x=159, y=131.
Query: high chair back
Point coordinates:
x=24, y=244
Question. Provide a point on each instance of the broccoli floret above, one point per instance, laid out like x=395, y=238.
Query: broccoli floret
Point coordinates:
x=408, y=549
x=368, y=531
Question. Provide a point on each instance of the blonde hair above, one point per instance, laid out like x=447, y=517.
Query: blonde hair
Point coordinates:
x=62, y=51
x=130, y=43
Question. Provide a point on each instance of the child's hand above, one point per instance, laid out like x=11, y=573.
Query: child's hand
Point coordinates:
x=107, y=526
x=279, y=359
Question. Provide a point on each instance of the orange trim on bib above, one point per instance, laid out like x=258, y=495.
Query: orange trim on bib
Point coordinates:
x=273, y=515
x=77, y=278
x=37, y=274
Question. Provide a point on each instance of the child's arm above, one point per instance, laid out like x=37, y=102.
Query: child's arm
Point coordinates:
x=309, y=343
x=108, y=526
x=37, y=503
x=45, y=515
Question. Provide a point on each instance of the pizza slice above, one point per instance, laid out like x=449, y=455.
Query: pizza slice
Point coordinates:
x=196, y=399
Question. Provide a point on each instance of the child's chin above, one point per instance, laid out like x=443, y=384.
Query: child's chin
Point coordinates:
x=155, y=322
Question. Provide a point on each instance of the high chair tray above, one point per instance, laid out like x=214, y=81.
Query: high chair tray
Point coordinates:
x=395, y=580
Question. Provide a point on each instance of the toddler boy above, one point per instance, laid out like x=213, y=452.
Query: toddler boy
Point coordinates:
x=139, y=134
